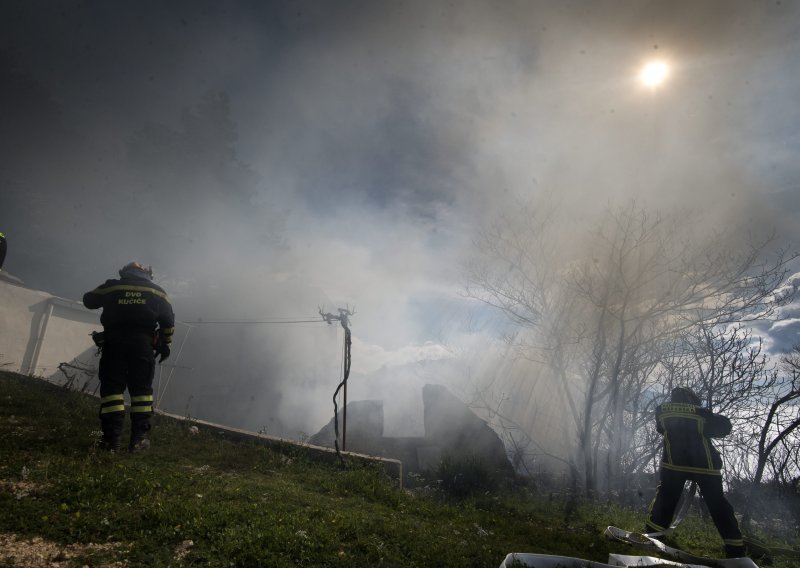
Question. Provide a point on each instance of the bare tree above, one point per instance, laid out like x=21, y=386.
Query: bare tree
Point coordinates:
x=604, y=308
x=778, y=444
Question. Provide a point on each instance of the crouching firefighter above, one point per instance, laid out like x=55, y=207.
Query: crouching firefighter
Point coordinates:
x=138, y=323
x=687, y=429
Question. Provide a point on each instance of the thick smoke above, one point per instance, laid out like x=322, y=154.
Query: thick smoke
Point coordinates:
x=269, y=158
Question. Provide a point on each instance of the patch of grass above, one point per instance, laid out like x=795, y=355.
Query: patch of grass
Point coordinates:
x=464, y=476
x=201, y=500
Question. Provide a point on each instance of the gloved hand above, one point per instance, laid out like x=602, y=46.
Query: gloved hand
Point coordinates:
x=162, y=349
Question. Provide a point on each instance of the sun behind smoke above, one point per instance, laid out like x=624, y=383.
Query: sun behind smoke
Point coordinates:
x=654, y=74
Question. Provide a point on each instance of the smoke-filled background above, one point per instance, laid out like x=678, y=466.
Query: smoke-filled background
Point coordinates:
x=271, y=158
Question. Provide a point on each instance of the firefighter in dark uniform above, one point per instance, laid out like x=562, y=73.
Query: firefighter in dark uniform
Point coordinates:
x=687, y=429
x=3, y=248
x=138, y=323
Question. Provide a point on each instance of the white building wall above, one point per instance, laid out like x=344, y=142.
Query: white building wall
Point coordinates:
x=38, y=331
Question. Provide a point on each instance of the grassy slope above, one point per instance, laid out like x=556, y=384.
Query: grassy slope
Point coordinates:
x=245, y=505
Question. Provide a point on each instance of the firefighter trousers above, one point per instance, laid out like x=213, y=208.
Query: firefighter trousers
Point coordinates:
x=668, y=494
x=127, y=361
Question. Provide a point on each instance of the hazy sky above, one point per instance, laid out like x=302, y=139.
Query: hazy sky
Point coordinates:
x=352, y=149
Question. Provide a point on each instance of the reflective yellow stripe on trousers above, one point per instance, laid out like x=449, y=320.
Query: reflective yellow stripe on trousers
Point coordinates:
x=142, y=403
x=107, y=403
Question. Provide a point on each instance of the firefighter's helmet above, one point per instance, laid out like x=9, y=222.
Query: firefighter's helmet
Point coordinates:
x=136, y=268
x=685, y=394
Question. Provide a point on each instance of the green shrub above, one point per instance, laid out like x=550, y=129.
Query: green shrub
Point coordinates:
x=465, y=476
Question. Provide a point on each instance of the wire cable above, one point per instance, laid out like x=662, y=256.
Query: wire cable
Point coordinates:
x=172, y=371
x=346, y=373
x=252, y=322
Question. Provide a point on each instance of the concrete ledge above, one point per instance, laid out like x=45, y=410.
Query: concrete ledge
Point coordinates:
x=11, y=279
x=392, y=467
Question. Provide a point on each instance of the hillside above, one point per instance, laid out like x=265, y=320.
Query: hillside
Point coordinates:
x=197, y=499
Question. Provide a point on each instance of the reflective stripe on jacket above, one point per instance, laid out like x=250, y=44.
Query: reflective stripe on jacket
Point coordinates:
x=132, y=305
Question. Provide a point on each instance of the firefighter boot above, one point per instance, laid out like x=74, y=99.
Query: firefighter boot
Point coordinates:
x=110, y=443
x=139, y=429
x=111, y=424
x=735, y=551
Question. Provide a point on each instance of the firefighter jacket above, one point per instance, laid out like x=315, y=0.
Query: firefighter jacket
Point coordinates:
x=687, y=431
x=132, y=305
